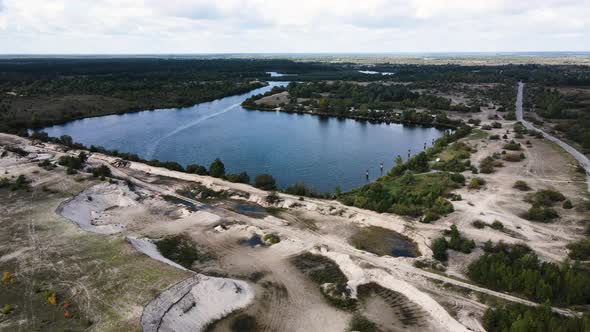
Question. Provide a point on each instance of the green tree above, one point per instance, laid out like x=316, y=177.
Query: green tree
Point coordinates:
x=265, y=182
x=217, y=169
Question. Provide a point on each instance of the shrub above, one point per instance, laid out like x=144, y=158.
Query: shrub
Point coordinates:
x=512, y=146
x=361, y=324
x=513, y=157
x=542, y=214
x=180, y=249
x=476, y=183
x=580, y=249
x=521, y=185
x=70, y=162
x=494, y=137
x=439, y=249
x=272, y=198
x=457, y=178
x=101, y=171
x=196, y=169
x=497, y=225
x=486, y=166
x=479, y=224
x=567, y=204
x=545, y=197
x=271, y=238
x=217, y=169
x=238, y=178
x=244, y=323
x=496, y=124
x=6, y=309
x=265, y=182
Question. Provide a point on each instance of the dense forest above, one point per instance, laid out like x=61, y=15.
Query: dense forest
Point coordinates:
x=570, y=112
x=516, y=317
x=40, y=92
x=517, y=269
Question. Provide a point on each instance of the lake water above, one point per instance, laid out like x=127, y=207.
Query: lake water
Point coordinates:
x=322, y=152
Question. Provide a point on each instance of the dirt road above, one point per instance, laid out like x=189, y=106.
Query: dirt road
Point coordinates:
x=580, y=157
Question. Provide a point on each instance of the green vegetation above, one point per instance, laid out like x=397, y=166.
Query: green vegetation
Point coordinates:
x=300, y=189
x=409, y=194
x=382, y=241
x=244, y=323
x=361, y=324
x=21, y=182
x=512, y=146
x=6, y=309
x=271, y=238
x=50, y=91
x=72, y=162
x=579, y=250
x=517, y=317
x=323, y=270
x=197, y=169
x=516, y=268
x=265, y=182
x=404, y=192
x=217, y=169
x=272, y=197
x=456, y=242
x=567, y=204
x=242, y=177
x=476, y=183
x=542, y=214
x=101, y=171
x=180, y=249
x=546, y=197
x=521, y=185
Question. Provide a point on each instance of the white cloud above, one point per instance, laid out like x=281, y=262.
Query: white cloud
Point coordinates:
x=201, y=26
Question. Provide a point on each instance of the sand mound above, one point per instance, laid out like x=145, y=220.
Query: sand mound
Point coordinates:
x=89, y=209
x=192, y=303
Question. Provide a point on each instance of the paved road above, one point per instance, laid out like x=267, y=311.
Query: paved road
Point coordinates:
x=581, y=158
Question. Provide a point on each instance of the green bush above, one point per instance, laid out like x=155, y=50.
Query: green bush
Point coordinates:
x=567, y=204
x=242, y=177
x=512, y=145
x=479, y=224
x=196, y=169
x=101, y=171
x=361, y=324
x=265, y=182
x=217, y=169
x=542, y=214
x=580, y=249
x=546, y=197
x=180, y=249
x=476, y=183
x=272, y=198
x=521, y=185
x=439, y=249
x=497, y=225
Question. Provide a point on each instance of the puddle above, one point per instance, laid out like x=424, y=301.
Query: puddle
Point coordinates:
x=249, y=209
x=383, y=241
x=253, y=242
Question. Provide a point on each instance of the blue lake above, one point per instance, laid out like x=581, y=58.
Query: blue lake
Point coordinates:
x=322, y=152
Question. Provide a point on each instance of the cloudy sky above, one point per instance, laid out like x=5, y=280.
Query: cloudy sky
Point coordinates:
x=280, y=26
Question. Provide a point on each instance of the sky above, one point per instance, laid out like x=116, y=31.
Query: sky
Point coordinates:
x=302, y=26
